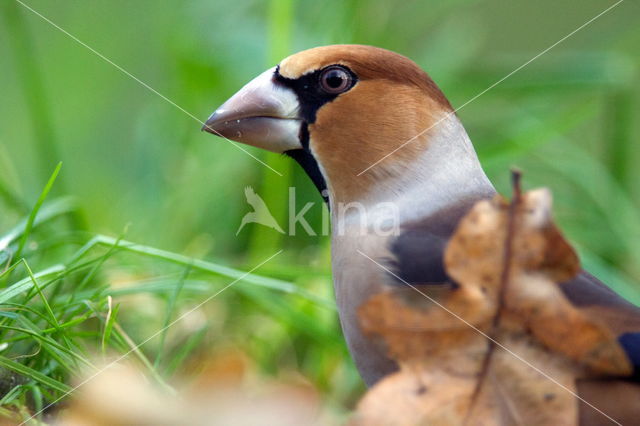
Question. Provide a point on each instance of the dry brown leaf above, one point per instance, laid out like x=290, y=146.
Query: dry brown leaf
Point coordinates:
x=507, y=259
x=221, y=395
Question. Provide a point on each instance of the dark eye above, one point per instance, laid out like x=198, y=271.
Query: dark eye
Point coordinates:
x=335, y=80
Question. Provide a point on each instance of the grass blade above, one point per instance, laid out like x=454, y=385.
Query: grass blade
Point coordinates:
x=33, y=374
x=34, y=212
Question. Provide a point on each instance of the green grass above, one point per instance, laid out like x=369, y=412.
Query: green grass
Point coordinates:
x=58, y=320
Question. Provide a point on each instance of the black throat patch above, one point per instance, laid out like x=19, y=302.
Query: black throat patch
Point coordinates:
x=308, y=162
x=310, y=97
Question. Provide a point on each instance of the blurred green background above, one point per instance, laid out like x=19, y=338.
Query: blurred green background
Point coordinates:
x=133, y=161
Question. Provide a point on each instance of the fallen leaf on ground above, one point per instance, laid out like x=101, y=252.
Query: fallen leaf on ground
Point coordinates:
x=466, y=354
x=122, y=395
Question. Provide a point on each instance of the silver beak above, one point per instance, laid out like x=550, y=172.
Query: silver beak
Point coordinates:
x=262, y=113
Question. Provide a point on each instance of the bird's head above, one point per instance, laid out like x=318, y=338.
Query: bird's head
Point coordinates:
x=338, y=110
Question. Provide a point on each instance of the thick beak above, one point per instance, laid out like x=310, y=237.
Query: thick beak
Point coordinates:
x=262, y=114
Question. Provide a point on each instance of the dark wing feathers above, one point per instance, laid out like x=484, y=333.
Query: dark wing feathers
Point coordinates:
x=419, y=249
x=631, y=344
x=597, y=300
x=418, y=259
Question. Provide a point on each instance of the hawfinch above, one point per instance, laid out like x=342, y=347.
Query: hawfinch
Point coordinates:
x=371, y=128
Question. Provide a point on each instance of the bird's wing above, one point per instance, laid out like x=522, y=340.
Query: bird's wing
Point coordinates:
x=619, y=398
x=418, y=251
x=417, y=258
x=596, y=300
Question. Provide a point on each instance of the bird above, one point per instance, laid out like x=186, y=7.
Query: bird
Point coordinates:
x=260, y=213
x=370, y=127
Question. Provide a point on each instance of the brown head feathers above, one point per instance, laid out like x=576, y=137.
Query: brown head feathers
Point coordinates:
x=393, y=101
x=368, y=63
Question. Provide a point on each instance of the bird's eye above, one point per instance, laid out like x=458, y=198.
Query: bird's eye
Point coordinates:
x=335, y=80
